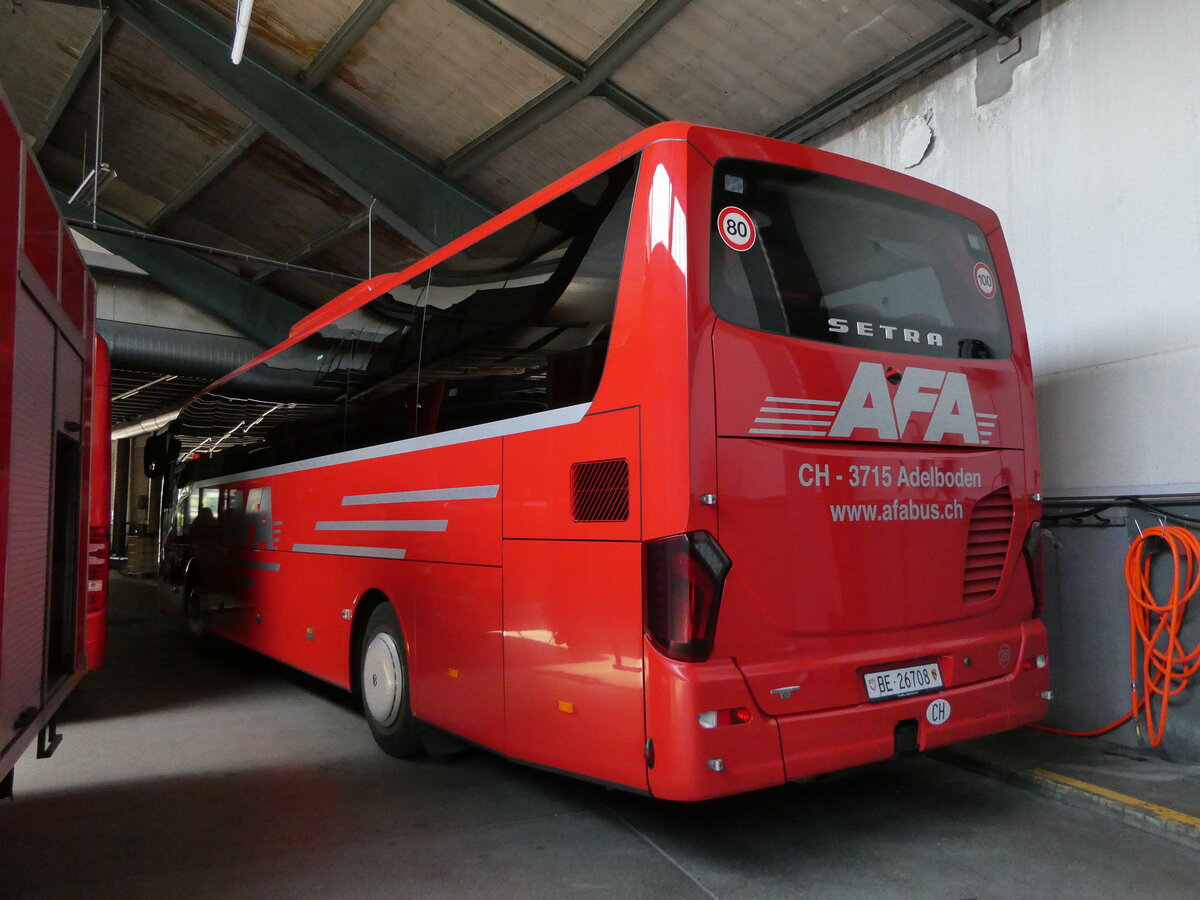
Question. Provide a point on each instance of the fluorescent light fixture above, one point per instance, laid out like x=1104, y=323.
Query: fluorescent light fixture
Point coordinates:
x=107, y=176
x=241, y=25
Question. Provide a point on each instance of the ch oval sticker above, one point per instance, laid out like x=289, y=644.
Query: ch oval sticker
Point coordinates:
x=938, y=712
x=737, y=228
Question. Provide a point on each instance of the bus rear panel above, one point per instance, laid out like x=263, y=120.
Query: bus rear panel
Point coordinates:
x=873, y=480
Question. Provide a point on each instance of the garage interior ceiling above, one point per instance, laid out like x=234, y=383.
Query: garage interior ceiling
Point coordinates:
x=407, y=121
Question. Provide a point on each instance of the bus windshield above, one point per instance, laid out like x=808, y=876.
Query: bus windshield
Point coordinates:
x=828, y=259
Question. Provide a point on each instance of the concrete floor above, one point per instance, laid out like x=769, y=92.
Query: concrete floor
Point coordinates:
x=219, y=774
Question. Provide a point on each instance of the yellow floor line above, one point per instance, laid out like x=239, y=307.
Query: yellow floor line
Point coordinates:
x=1161, y=812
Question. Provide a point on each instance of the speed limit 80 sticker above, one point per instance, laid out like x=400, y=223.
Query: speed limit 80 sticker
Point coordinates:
x=737, y=228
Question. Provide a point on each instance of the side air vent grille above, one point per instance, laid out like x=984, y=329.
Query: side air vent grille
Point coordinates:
x=600, y=491
x=987, y=545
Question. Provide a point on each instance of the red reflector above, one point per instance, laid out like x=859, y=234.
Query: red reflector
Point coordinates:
x=685, y=575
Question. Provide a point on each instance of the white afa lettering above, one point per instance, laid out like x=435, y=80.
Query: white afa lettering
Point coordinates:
x=944, y=396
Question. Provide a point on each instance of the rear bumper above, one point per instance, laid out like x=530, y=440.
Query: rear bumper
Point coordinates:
x=770, y=750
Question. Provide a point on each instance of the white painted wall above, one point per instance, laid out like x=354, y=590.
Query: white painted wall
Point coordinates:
x=1092, y=161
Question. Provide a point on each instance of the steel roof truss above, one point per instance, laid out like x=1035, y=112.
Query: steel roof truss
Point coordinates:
x=634, y=34
x=424, y=206
x=976, y=14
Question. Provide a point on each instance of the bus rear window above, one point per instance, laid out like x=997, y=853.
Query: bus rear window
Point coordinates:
x=818, y=257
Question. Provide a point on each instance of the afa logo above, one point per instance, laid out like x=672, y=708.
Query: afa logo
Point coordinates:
x=937, y=404
x=869, y=405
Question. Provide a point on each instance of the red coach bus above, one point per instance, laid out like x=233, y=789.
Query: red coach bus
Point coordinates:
x=99, y=506
x=711, y=466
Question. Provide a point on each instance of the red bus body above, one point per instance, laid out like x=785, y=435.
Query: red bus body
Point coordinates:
x=46, y=322
x=660, y=587
x=99, y=506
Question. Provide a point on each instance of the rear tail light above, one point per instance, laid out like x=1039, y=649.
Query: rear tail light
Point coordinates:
x=97, y=567
x=1033, y=559
x=685, y=575
x=714, y=717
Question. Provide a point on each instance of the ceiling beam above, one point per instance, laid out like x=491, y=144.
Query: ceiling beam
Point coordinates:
x=426, y=207
x=202, y=179
x=525, y=37
x=887, y=77
x=554, y=56
x=975, y=13
x=256, y=312
x=637, y=30
x=82, y=66
x=351, y=31
x=344, y=228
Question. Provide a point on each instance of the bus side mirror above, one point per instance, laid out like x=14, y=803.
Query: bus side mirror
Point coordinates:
x=161, y=450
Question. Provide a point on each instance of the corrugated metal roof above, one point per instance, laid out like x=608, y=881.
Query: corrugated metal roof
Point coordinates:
x=506, y=94
x=161, y=123
x=40, y=46
x=586, y=130
x=579, y=28
x=285, y=33
x=432, y=77
x=751, y=65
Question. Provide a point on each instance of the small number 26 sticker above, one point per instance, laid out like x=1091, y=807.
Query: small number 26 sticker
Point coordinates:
x=737, y=228
x=938, y=712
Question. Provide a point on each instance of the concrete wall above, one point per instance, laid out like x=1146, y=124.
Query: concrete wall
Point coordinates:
x=1087, y=144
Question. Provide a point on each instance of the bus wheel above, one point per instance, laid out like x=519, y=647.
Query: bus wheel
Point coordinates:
x=385, y=685
x=194, y=609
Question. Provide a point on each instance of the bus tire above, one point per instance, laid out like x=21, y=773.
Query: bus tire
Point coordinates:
x=193, y=609
x=385, y=686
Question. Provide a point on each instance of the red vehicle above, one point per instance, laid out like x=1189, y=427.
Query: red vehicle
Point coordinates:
x=99, y=506
x=709, y=467
x=46, y=321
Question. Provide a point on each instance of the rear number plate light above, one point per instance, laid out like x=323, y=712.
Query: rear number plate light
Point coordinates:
x=904, y=682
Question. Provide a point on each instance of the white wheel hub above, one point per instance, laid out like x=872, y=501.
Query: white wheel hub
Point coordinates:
x=383, y=679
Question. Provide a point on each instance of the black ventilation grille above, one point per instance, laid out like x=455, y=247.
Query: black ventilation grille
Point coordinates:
x=987, y=545
x=600, y=491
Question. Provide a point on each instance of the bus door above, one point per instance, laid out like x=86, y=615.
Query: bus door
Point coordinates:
x=870, y=434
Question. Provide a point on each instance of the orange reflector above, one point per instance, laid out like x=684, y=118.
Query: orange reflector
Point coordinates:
x=453, y=673
x=564, y=706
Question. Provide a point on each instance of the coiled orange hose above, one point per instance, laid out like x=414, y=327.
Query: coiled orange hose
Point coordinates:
x=1165, y=667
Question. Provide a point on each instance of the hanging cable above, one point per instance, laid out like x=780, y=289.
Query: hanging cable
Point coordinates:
x=1158, y=661
x=99, y=122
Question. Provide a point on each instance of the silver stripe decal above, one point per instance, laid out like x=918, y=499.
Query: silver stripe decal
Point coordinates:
x=340, y=550
x=476, y=492
x=254, y=564
x=794, y=400
x=792, y=421
x=551, y=418
x=799, y=412
x=386, y=525
x=987, y=415
x=787, y=431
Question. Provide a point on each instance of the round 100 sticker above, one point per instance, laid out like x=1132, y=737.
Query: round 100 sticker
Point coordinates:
x=737, y=228
x=985, y=280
